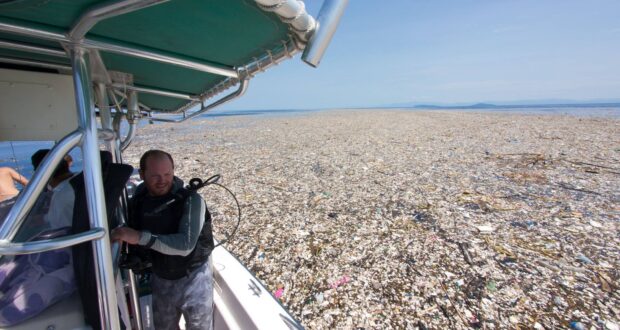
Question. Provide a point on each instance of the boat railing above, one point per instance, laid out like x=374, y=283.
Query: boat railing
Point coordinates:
x=87, y=138
x=10, y=248
x=26, y=200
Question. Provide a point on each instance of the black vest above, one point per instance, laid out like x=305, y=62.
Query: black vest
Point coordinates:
x=164, y=222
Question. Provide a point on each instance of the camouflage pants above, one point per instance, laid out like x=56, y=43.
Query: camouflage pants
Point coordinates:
x=191, y=296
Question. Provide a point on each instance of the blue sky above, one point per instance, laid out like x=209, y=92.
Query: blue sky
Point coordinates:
x=444, y=52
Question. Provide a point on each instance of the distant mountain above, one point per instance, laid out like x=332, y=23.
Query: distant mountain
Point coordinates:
x=510, y=104
x=527, y=106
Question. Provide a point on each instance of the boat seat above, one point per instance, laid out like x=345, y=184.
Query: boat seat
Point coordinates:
x=115, y=177
x=66, y=314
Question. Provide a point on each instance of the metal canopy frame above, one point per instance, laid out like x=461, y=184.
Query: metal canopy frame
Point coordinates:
x=78, y=48
x=32, y=49
x=308, y=35
x=152, y=55
x=107, y=10
x=40, y=64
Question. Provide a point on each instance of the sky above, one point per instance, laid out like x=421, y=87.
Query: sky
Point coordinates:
x=396, y=52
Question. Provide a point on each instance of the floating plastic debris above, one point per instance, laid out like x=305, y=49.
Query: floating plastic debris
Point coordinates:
x=279, y=292
x=611, y=326
x=485, y=229
x=341, y=281
x=394, y=200
x=491, y=286
x=577, y=326
x=584, y=259
x=595, y=224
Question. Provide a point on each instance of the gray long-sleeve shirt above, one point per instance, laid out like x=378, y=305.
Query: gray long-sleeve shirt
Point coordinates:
x=184, y=240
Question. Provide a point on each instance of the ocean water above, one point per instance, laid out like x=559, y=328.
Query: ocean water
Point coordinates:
x=569, y=110
x=262, y=113
x=17, y=154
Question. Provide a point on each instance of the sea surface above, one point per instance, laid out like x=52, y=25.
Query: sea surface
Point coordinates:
x=612, y=111
x=17, y=154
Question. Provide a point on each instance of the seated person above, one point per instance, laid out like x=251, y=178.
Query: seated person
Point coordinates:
x=8, y=177
x=59, y=211
x=39, y=219
x=61, y=173
x=31, y=283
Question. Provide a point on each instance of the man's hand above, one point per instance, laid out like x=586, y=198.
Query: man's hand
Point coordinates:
x=126, y=234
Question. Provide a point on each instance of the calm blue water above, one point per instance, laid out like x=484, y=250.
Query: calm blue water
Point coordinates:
x=270, y=113
x=261, y=113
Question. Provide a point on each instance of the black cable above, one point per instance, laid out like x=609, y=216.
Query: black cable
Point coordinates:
x=197, y=183
x=229, y=237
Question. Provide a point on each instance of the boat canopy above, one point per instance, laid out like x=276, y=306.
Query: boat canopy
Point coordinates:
x=158, y=56
x=175, y=54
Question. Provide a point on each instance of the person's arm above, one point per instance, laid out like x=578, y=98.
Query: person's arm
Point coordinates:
x=183, y=242
x=18, y=177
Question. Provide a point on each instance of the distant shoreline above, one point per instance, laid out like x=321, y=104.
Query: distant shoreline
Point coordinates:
x=611, y=110
x=521, y=106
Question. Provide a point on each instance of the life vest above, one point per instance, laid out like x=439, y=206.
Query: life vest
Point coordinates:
x=148, y=214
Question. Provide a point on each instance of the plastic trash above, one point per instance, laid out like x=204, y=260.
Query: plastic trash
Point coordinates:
x=491, y=286
x=341, y=281
x=425, y=172
x=595, y=224
x=611, y=326
x=279, y=293
x=577, y=326
x=485, y=229
x=584, y=259
x=421, y=216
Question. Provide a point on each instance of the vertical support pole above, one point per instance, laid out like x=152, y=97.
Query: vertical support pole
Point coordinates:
x=133, y=111
x=117, y=151
x=104, y=106
x=135, y=300
x=114, y=147
x=105, y=115
x=94, y=188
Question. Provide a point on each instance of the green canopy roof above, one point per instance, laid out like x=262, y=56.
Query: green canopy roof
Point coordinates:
x=231, y=34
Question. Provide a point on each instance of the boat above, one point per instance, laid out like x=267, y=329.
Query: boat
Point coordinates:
x=76, y=71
